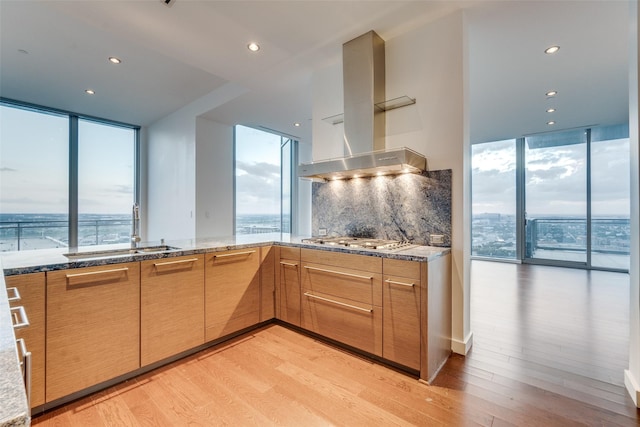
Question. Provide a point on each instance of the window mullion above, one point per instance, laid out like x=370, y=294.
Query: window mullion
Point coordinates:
x=73, y=181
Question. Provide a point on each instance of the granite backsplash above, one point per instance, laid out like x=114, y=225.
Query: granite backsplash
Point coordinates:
x=400, y=207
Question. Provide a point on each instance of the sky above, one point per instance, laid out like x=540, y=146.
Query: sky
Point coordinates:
x=34, y=164
x=257, y=171
x=555, y=179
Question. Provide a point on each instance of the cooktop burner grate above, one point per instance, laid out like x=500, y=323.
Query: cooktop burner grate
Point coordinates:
x=358, y=242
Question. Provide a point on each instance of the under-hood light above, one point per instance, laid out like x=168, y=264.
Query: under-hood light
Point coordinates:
x=383, y=162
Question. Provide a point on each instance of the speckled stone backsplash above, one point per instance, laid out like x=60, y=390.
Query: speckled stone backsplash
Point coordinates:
x=403, y=207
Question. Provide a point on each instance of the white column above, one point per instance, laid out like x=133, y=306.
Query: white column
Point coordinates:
x=632, y=375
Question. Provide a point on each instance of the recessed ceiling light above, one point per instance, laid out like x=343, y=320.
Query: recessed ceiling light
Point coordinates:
x=90, y=92
x=114, y=60
x=552, y=49
x=552, y=93
x=551, y=123
x=253, y=47
x=296, y=124
x=550, y=110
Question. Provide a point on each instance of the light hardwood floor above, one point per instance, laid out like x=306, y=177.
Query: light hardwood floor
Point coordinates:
x=550, y=345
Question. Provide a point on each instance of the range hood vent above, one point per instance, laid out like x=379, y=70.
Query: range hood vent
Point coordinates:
x=383, y=162
x=363, y=72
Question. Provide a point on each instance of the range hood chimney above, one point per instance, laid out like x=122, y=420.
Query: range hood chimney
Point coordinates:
x=363, y=72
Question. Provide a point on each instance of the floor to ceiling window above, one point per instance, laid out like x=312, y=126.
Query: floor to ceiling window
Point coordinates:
x=34, y=179
x=264, y=184
x=558, y=198
x=106, y=179
x=493, y=182
x=65, y=181
x=610, y=203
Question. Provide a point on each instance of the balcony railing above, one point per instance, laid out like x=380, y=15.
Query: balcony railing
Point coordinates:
x=22, y=235
x=558, y=238
x=609, y=235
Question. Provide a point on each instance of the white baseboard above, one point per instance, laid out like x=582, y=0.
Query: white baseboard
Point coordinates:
x=462, y=347
x=632, y=387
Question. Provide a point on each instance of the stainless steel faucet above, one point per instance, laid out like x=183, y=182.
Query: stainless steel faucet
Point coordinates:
x=135, y=226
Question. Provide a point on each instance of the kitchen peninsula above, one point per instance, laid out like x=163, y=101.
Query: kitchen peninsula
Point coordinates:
x=392, y=306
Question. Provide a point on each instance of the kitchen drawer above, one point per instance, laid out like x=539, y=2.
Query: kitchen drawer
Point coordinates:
x=401, y=268
x=353, y=323
x=354, y=285
x=341, y=259
x=289, y=253
x=31, y=288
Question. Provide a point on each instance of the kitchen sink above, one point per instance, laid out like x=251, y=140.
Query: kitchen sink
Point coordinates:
x=119, y=252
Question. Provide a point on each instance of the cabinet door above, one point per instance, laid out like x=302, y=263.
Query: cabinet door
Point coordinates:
x=232, y=291
x=401, y=320
x=31, y=288
x=171, y=306
x=289, y=291
x=267, y=283
x=93, y=326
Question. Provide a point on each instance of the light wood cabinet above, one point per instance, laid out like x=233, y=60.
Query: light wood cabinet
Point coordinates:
x=93, y=326
x=171, y=306
x=288, y=290
x=401, y=292
x=31, y=288
x=232, y=291
x=267, y=283
x=342, y=298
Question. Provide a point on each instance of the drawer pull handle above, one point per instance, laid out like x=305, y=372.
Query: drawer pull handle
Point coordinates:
x=182, y=261
x=20, y=319
x=93, y=273
x=339, y=273
x=288, y=264
x=15, y=296
x=235, y=254
x=367, y=310
x=24, y=358
x=393, y=282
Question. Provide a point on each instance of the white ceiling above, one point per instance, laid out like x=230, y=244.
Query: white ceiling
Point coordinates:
x=175, y=55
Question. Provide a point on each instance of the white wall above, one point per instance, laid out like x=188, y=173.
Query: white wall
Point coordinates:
x=214, y=179
x=632, y=375
x=169, y=208
x=328, y=140
x=427, y=64
x=304, y=192
x=170, y=176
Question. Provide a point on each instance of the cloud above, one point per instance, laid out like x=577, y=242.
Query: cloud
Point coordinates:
x=259, y=169
x=257, y=187
x=6, y=169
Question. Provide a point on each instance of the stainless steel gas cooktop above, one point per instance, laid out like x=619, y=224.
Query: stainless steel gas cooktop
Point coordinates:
x=359, y=242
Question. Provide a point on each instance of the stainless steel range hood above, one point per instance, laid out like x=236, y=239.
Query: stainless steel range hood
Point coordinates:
x=363, y=72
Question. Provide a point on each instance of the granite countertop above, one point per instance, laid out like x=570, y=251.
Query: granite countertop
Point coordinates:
x=14, y=406
x=14, y=409
x=54, y=259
